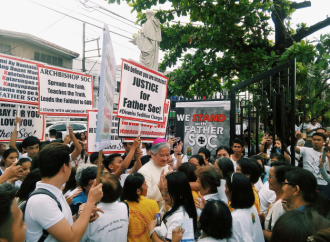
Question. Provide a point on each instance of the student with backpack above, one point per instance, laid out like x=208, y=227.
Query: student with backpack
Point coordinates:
x=47, y=214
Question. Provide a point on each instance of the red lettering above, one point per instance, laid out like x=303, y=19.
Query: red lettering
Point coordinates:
x=206, y=117
x=194, y=118
x=221, y=118
x=199, y=117
x=214, y=118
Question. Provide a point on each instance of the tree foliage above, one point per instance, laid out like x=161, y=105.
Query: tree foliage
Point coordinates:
x=232, y=42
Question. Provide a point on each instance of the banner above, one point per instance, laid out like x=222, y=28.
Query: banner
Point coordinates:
x=106, y=92
x=18, y=80
x=64, y=93
x=142, y=93
x=128, y=128
x=203, y=124
x=116, y=146
x=33, y=124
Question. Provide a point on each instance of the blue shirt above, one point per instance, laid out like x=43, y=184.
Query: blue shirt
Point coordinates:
x=77, y=201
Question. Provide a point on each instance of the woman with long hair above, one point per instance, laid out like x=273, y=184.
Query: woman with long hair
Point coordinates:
x=8, y=158
x=141, y=209
x=176, y=192
x=246, y=223
x=26, y=167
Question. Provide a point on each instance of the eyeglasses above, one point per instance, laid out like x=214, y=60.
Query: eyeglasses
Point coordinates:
x=271, y=177
x=288, y=183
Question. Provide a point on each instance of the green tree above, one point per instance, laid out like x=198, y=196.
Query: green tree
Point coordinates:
x=232, y=44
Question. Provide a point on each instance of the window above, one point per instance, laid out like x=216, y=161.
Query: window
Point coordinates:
x=52, y=60
x=60, y=127
x=6, y=49
x=78, y=127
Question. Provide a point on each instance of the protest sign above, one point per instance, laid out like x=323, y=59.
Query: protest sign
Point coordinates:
x=106, y=92
x=116, y=146
x=64, y=93
x=142, y=93
x=128, y=128
x=203, y=124
x=18, y=80
x=33, y=124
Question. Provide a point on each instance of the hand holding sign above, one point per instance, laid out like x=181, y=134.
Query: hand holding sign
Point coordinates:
x=137, y=143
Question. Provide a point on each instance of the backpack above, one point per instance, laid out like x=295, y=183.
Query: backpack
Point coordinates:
x=46, y=192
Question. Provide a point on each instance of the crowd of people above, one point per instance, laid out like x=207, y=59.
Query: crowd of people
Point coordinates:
x=51, y=191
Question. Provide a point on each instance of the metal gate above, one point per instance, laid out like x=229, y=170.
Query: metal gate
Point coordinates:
x=269, y=98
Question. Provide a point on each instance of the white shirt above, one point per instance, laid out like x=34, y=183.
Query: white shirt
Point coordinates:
x=208, y=197
x=276, y=210
x=184, y=159
x=311, y=163
x=296, y=154
x=151, y=173
x=310, y=127
x=259, y=184
x=112, y=225
x=173, y=221
x=246, y=226
x=123, y=178
x=266, y=197
x=234, y=162
x=51, y=139
x=18, y=183
x=303, y=127
x=24, y=156
x=210, y=239
x=42, y=212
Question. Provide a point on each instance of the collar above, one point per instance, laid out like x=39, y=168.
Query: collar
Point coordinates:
x=301, y=208
x=107, y=206
x=213, y=196
x=57, y=192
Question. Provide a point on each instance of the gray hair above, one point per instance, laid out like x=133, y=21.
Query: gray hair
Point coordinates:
x=80, y=169
x=155, y=148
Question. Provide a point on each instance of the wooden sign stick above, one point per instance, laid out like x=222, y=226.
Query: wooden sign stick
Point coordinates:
x=99, y=164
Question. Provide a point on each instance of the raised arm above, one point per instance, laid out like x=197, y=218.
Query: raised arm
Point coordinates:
x=138, y=164
x=13, y=138
x=63, y=232
x=125, y=164
x=77, y=145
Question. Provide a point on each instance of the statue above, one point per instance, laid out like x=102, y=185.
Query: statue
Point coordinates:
x=148, y=41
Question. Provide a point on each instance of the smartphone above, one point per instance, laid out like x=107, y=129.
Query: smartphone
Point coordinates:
x=326, y=149
x=158, y=219
x=178, y=139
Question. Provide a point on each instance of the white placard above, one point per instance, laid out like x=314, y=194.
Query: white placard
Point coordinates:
x=106, y=92
x=129, y=129
x=64, y=93
x=116, y=146
x=32, y=123
x=142, y=93
x=18, y=80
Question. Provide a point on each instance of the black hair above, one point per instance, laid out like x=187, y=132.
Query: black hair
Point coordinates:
x=190, y=170
x=52, y=132
x=277, y=156
x=30, y=141
x=52, y=158
x=7, y=195
x=108, y=161
x=320, y=134
x=78, y=136
x=6, y=153
x=59, y=135
x=34, y=164
x=308, y=187
x=281, y=168
x=242, y=195
x=222, y=148
x=319, y=116
x=28, y=185
x=322, y=129
x=298, y=225
x=206, y=152
x=226, y=166
x=200, y=159
x=180, y=192
x=209, y=177
x=250, y=167
x=111, y=188
x=216, y=220
x=71, y=183
x=247, y=130
x=176, y=143
x=132, y=183
x=297, y=122
x=94, y=156
x=148, y=146
x=258, y=157
x=237, y=141
x=88, y=174
x=23, y=160
x=313, y=118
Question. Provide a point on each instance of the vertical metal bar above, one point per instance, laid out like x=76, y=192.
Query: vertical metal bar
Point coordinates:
x=232, y=115
x=283, y=109
x=274, y=119
x=249, y=129
x=83, y=52
x=292, y=112
x=257, y=127
x=241, y=123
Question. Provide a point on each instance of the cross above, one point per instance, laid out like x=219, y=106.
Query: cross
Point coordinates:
x=201, y=140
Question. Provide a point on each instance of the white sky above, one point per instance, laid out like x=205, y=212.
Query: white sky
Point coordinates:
x=26, y=16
